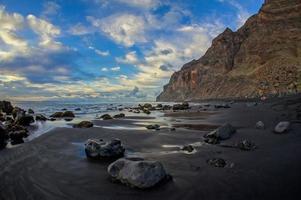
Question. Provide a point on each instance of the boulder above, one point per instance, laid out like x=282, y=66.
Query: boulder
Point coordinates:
x=282, y=127
x=260, y=125
x=57, y=115
x=40, y=117
x=30, y=111
x=68, y=114
x=99, y=149
x=188, y=148
x=83, y=124
x=77, y=109
x=137, y=172
x=222, y=106
x=106, y=117
x=217, y=162
x=121, y=115
x=148, y=106
x=222, y=133
x=6, y=107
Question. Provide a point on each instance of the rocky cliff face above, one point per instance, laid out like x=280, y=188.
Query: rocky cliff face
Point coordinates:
x=263, y=57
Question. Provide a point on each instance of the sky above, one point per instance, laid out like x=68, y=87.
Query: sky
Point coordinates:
x=106, y=50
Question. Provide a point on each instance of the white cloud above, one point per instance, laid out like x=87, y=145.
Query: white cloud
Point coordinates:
x=147, y=4
x=125, y=29
x=115, y=69
x=104, y=69
x=130, y=58
x=80, y=29
x=50, y=8
x=102, y=53
x=46, y=31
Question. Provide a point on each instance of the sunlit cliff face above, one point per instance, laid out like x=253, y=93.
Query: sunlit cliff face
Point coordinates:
x=118, y=50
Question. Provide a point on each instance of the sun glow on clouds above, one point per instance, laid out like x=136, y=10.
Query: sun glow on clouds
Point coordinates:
x=138, y=43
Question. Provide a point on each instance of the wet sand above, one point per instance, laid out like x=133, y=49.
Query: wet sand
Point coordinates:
x=53, y=166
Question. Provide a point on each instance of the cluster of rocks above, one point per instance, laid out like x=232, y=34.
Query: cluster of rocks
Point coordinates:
x=66, y=114
x=133, y=172
x=147, y=108
x=13, y=124
x=183, y=106
x=109, y=117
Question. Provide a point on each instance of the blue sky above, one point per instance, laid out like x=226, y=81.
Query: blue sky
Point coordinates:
x=106, y=50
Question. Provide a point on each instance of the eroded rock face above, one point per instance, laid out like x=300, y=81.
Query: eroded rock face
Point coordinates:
x=137, y=172
x=262, y=58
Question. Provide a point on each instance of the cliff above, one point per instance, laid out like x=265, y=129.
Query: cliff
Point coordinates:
x=263, y=57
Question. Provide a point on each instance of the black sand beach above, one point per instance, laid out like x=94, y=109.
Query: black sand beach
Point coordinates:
x=54, y=166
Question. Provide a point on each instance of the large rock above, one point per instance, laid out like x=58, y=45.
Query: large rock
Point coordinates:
x=137, y=173
x=57, y=115
x=106, y=117
x=40, y=117
x=6, y=107
x=222, y=133
x=100, y=149
x=16, y=137
x=282, y=127
x=68, y=114
x=121, y=115
x=83, y=124
x=259, y=59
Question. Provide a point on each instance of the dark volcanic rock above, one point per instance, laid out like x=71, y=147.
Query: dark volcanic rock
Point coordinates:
x=25, y=120
x=57, y=115
x=98, y=149
x=136, y=172
x=106, y=117
x=30, y=111
x=261, y=58
x=217, y=162
x=68, y=114
x=121, y=115
x=6, y=107
x=83, y=124
x=41, y=117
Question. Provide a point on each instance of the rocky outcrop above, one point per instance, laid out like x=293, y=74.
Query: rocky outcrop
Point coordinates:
x=6, y=107
x=262, y=58
x=99, y=149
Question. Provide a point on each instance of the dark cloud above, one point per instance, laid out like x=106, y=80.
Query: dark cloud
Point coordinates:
x=166, y=51
x=166, y=67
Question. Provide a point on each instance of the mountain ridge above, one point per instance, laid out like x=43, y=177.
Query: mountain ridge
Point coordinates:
x=261, y=58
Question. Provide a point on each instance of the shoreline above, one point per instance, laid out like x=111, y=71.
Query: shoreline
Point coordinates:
x=54, y=166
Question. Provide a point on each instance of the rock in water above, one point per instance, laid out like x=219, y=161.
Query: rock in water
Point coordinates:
x=260, y=58
x=100, y=149
x=106, y=117
x=282, y=127
x=121, y=115
x=155, y=126
x=68, y=114
x=25, y=120
x=6, y=107
x=30, y=111
x=222, y=133
x=40, y=117
x=83, y=124
x=136, y=172
x=188, y=148
x=260, y=125
x=57, y=115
